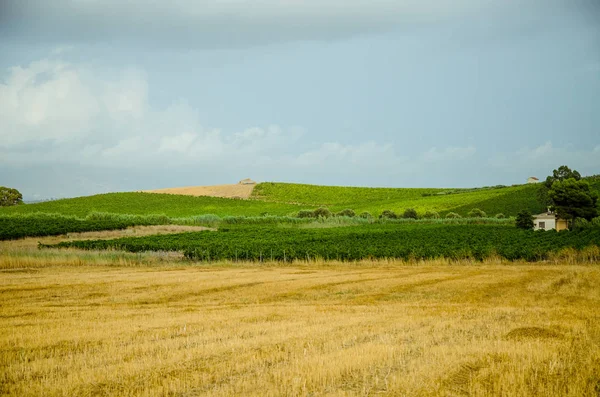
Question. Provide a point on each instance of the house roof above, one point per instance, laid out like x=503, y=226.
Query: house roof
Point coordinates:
x=545, y=215
x=533, y=177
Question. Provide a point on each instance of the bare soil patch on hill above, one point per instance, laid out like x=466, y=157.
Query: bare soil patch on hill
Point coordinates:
x=241, y=191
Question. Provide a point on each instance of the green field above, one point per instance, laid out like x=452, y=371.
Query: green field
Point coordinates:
x=507, y=200
x=287, y=199
x=401, y=241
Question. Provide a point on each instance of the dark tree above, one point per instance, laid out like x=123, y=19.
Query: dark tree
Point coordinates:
x=561, y=174
x=388, y=214
x=524, y=220
x=9, y=197
x=410, y=213
x=573, y=198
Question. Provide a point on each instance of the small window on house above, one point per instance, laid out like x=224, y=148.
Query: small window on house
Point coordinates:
x=543, y=225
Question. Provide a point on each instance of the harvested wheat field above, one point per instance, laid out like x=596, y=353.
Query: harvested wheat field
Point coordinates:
x=239, y=190
x=311, y=329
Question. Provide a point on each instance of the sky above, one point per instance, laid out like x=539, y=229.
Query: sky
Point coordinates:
x=109, y=95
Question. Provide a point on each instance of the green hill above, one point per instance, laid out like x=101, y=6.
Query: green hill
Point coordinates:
x=287, y=198
x=492, y=200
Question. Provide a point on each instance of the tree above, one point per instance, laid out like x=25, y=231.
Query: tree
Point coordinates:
x=477, y=213
x=347, y=212
x=573, y=198
x=561, y=174
x=388, y=214
x=410, y=213
x=9, y=197
x=524, y=220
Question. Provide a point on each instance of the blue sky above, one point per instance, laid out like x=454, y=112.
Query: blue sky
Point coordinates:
x=100, y=96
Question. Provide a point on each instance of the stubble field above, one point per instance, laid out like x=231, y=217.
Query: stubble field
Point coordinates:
x=373, y=328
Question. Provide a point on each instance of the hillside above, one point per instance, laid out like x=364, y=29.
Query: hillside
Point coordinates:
x=493, y=200
x=287, y=199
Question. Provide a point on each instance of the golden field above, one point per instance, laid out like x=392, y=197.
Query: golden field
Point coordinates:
x=145, y=325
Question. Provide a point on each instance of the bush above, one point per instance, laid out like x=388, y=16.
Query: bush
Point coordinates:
x=524, y=220
x=322, y=212
x=366, y=215
x=306, y=214
x=347, y=212
x=431, y=215
x=500, y=216
x=581, y=223
x=410, y=213
x=388, y=214
x=452, y=215
x=477, y=213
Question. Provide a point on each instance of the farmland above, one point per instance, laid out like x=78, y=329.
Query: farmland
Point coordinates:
x=493, y=200
x=287, y=199
x=405, y=241
x=114, y=297
x=305, y=329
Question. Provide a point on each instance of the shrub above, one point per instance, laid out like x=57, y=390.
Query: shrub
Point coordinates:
x=431, y=215
x=410, y=213
x=347, y=212
x=477, y=213
x=581, y=223
x=366, y=215
x=388, y=214
x=452, y=215
x=306, y=214
x=524, y=220
x=322, y=212
x=500, y=216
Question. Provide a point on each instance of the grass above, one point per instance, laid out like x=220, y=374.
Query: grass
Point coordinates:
x=371, y=328
x=282, y=199
x=493, y=200
x=137, y=203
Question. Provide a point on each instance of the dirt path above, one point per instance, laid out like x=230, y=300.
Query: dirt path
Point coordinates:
x=226, y=191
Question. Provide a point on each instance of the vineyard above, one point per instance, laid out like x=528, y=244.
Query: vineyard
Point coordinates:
x=284, y=199
x=493, y=200
x=406, y=241
x=42, y=224
x=171, y=205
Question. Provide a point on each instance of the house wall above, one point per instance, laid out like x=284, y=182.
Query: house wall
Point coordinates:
x=562, y=224
x=549, y=224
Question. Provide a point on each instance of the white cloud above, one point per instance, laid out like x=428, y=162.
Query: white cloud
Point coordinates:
x=57, y=112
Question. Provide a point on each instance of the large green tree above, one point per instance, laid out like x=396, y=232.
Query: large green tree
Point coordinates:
x=561, y=174
x=9, y=196
x=572, y=198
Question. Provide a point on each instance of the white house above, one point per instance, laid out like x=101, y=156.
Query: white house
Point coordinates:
x=532, y=179
x=548, y=221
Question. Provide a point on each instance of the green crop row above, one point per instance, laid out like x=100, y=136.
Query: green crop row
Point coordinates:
x=13, y=226
x=43, y=224
x=409, y=240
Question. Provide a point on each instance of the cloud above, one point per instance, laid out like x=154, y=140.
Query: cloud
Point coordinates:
x=219, y=24
x=544, y=158
x=59, y=113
